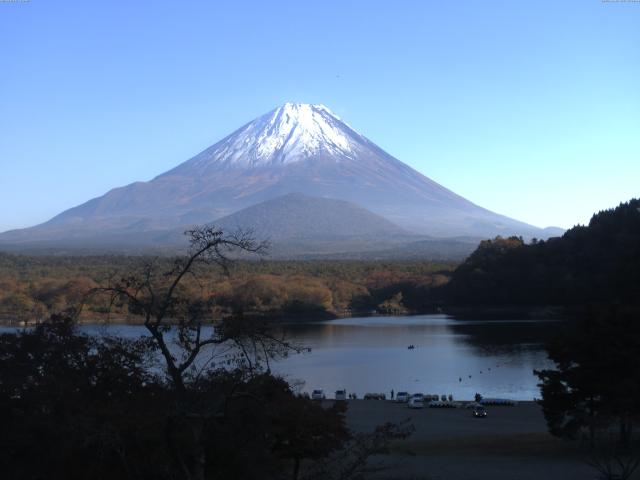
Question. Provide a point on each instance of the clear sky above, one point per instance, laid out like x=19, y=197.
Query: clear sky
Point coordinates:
x=530, y=109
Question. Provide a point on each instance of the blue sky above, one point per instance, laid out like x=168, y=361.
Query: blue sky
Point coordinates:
x=530, y=109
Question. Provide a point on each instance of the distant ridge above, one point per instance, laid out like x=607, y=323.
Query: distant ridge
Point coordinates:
x=298, y=216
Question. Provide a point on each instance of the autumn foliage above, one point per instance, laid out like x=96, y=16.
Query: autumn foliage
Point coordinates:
x=32, y=288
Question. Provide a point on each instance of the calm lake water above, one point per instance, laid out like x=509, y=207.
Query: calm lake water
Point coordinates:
x=494, y=358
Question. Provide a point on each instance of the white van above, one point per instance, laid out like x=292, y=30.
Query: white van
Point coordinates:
x=402, y=397
x=317, y=395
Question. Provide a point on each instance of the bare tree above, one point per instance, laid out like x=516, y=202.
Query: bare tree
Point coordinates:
x=159, y=297
x=613, y=459
x=183, y=325
x=612, y=465
x=354, y=461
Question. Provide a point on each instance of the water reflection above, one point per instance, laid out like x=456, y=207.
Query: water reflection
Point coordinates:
x=458, y=357
x=495, y=358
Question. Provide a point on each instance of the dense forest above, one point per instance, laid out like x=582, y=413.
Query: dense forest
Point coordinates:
x=34, y=287
x=592, y=264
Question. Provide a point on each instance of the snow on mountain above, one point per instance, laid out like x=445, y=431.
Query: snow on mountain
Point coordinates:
x=288, y=134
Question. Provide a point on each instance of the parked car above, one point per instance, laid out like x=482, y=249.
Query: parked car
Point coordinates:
x=498, y=402
x=479, y=412
x=439, y=404
x=341, y=395
x=317, y=395
x=375, y=396
x=416, y=402
x=402, y=397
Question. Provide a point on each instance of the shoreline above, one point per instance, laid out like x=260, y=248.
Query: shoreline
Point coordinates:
x=496, y=313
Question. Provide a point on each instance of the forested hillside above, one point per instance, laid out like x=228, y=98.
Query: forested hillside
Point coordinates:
x=32, y=288
x=598, y=263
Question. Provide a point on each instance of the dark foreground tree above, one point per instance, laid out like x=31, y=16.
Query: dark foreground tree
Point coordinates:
x=74, y=406
x=594, y=392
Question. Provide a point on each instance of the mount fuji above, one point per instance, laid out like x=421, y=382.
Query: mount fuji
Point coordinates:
x=294, y=149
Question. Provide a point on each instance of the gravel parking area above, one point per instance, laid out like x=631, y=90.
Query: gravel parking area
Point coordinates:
x=441, y=423
x=510, y=443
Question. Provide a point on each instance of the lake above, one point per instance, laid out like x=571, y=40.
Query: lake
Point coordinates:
x=494, y=358
x=370, y=354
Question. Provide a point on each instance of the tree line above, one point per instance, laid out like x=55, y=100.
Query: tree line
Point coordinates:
x=592, y=264
x=33, y=287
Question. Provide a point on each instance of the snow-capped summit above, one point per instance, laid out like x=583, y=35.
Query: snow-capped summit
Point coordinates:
x=285, y=135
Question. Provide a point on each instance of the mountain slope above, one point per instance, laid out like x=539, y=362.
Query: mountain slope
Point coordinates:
x=301, y=226
x=297, y=216
x=295, y=148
